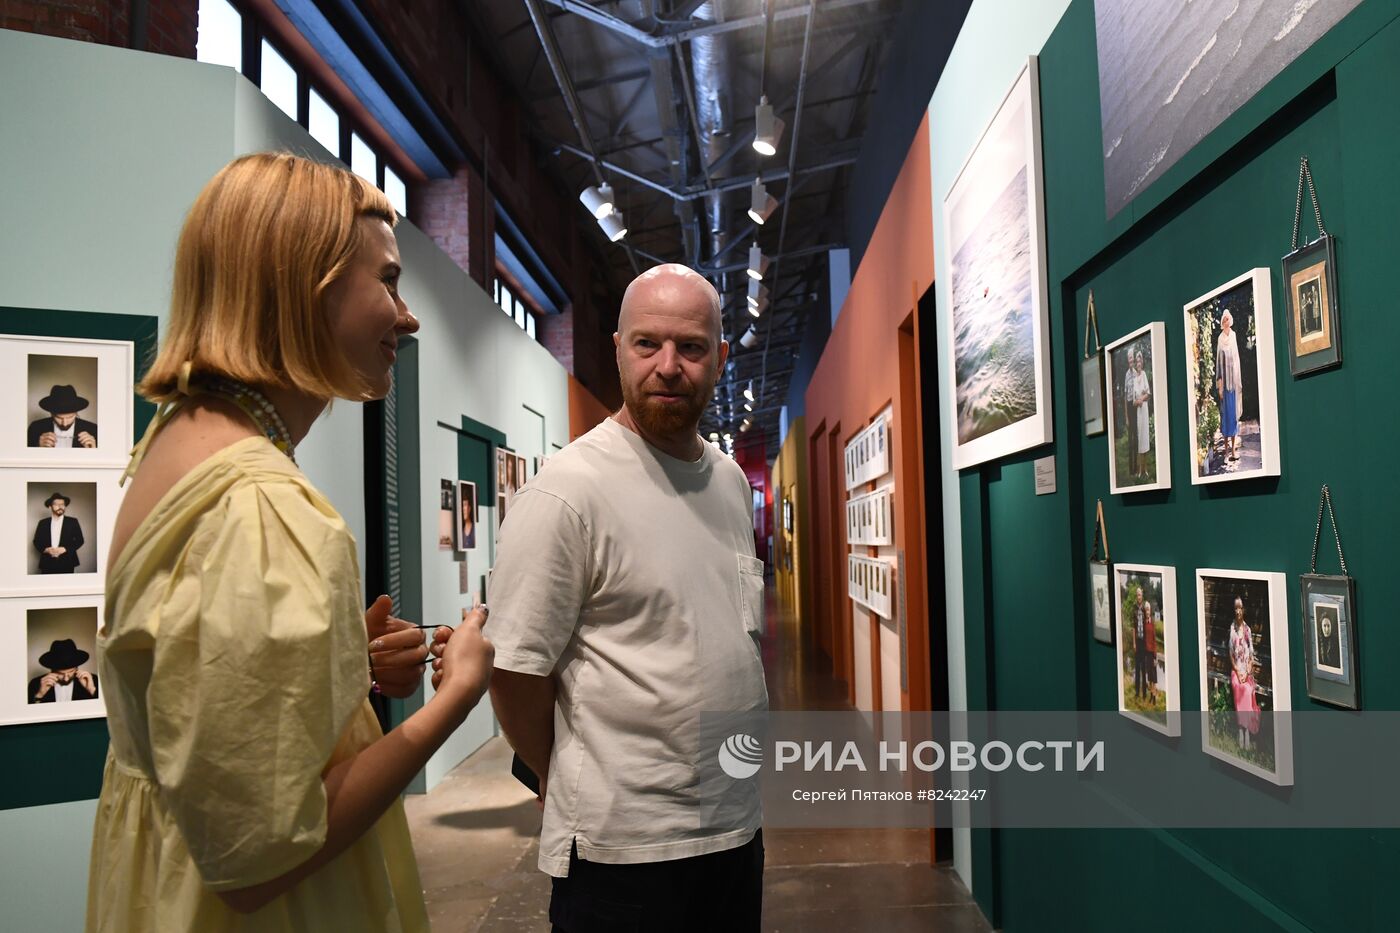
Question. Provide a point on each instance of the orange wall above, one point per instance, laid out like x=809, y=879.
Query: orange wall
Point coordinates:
x=585, y=411
x=871, y=361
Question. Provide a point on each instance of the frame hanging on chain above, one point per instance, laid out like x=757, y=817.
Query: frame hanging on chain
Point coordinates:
x=1101, y=583
x=1310, y=291
x=1331, y=648
x=1091, y=375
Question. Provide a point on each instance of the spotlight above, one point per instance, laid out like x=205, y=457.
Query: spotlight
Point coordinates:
x=757, y=309
x=714, y=435
x=748, y=423
x=758, y=292
x=761, y=203
x=758, y=263
x=767, y=129
x=748, y=406
x=748, y=391
x=614, y=226
x=750, y=338
x=599, y=201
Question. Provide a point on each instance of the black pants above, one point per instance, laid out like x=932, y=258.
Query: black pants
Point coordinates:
x=718, y=891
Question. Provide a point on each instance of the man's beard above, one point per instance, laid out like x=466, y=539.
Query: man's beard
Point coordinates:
x=665, y=419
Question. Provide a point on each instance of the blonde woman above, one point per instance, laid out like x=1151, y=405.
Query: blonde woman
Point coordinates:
x=1228, y=385
x=248, y=785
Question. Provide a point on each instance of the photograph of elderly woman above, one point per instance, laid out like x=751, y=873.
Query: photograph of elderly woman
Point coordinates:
x=1134, y=424
x=1223, y=366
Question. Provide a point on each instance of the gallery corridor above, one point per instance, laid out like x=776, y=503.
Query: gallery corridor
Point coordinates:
x=476, y=839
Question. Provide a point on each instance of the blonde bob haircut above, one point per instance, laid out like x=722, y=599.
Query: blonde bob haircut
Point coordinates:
x=264, y=240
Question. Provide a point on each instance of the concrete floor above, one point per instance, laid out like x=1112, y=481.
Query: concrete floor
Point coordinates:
x=476, y=839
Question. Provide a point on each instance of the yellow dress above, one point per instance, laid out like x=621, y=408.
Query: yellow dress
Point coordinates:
x=234, y=667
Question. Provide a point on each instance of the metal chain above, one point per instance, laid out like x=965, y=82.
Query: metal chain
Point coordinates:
x=1326, y=502
x=1304, y=172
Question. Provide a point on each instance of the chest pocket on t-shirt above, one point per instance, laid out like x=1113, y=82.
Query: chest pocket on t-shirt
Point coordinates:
x=751, y=593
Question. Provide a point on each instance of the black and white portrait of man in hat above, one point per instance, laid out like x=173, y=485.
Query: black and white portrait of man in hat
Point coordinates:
x=63, y=427
x=66, y=679
x=58, y=537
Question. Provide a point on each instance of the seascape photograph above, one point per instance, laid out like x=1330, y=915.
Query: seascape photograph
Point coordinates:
x=993, y=325
x=1170, y=73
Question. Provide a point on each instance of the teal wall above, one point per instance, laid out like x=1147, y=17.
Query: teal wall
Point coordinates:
x=1225, y=208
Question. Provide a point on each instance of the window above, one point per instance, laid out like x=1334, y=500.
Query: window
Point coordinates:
x=223, y=30
x=279, y=80
x=323, y=123
x=362, y=160
x=396, y=190
x=220, y=36
x=516, y=309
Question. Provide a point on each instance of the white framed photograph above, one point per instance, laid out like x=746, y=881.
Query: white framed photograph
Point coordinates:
x=1242, y=622
x=999, y=327
x=71, y=401
x=1148, y=672
x=1139, y=449
x=1231, y=387
x=48, y=659
x=61, y=521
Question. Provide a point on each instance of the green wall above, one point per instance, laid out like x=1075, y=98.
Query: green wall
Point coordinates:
x=1225, y=208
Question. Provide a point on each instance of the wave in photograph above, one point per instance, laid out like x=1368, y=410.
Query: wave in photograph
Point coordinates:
x=1170, y=73
x=993, y=321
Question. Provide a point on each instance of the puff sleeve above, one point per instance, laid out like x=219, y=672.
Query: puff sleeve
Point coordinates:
x=259, y=664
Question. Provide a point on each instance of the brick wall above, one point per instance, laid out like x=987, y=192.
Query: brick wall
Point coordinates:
x=437, y=47
x=171, y=24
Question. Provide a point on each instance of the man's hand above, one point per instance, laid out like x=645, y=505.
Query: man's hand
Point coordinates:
x=396, y=650
x=85, y=679
x=45, y=685
x=87, y=440
x=48, y=439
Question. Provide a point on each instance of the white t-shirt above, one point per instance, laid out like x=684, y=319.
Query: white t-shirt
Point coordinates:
x=63, y=693
x=630, y=575
x=56, y=529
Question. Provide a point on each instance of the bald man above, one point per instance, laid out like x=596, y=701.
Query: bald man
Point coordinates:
x=625, y=601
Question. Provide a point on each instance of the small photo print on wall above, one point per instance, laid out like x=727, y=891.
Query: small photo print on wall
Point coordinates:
x=62, y=393
x=1139, y=455
x=1330, y=639
x=71, y=401
x=1147, y=669
x=1101, y=597
x=1310, y=307
x=1243, y=628
x=64, y=521
x=466, y=529
x=1231, y=406
x=48, y=659
x=447, y=515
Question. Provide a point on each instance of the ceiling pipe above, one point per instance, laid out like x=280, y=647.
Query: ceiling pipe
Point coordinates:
x=690, y=33
x=792, y=161
x=566, y=89
x=690, y=194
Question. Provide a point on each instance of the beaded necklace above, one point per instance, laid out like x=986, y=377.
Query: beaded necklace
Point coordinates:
x=257, y=407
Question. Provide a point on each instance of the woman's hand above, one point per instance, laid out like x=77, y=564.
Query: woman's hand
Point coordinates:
x=397, y=654
x=464, y=657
